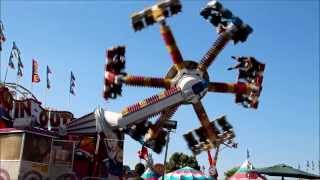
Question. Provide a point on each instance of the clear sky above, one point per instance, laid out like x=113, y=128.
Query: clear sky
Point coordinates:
x=73, y=35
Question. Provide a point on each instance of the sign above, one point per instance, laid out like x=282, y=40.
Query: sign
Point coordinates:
x=62, y=153
x=29, y=112
x=114, y=152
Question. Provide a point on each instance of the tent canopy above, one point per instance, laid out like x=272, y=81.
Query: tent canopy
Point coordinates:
x=150, y=175
x=285, y=171
x=244, y=172
x=186, y=173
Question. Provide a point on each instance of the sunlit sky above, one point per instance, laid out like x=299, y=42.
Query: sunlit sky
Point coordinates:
x=73, y=35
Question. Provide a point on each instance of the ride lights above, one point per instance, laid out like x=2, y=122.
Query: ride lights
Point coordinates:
x=170, y=125
x=201, y=142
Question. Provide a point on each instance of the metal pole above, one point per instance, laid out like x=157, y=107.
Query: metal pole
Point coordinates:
x=165, y=154
x=31, y=88
x=0, y=65
x=16, y=85
x=5, y=75
x=45, y=97
x=69, y=101
x=49, y=121
x=16, y=98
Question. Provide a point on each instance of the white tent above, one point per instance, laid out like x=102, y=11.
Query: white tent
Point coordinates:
x=243, y=174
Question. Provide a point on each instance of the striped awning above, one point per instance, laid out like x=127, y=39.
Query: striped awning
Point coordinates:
x=150, y=175
x=186, y=173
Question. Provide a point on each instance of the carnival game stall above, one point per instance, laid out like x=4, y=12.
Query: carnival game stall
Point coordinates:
x=34, y=153
x=28, y=148
x=41, y=143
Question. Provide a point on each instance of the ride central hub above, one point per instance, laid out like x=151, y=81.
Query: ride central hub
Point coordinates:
x=191, y=81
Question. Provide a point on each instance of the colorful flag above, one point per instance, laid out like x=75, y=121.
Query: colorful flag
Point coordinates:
x=48, y=80
x=20, y=67
x=15, y=53
x=11, y=64
x=72, y=84
x=35, y=72
x=2, y=37
x=16, y=50
x=143, y=153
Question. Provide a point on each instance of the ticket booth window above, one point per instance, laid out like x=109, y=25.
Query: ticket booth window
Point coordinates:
x=10, y=146
x=62, y=153
x=37, y=148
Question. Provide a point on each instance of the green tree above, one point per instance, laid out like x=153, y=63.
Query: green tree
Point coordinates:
x=180, y=160
x=231, y=172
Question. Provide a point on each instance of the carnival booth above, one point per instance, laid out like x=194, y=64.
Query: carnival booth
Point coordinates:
x=28, y=149
x=34, y=153
x=41, y=143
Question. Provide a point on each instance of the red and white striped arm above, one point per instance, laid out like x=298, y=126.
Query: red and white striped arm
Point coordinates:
x=235, y=88
x=146, y=81
x=171, y=46
x=151, y=106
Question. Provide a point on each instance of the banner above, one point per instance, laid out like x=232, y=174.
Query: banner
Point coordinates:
x=114, y=162
x=35, y=72
x=107, y=162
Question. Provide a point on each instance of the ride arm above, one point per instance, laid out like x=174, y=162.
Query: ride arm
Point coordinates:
x=249, y=86
x=235, y=88
x=229, y=27
x=146, y=108
x=143, y=81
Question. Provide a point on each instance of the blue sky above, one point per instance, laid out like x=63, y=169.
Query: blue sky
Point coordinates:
x=73, y=35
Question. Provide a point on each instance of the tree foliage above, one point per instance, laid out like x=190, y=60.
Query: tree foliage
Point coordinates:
x=231, y=172
x=180, y=160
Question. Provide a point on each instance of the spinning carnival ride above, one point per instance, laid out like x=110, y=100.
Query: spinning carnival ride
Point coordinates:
x=99, y=135
x=186, y=82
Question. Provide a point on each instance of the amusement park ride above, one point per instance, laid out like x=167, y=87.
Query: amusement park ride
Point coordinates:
x=186, y=83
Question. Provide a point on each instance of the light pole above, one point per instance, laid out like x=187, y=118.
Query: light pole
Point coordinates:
x=169, y=125
x=166, y=153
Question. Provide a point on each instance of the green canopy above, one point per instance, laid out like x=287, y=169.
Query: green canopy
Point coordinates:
x=285, y=171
